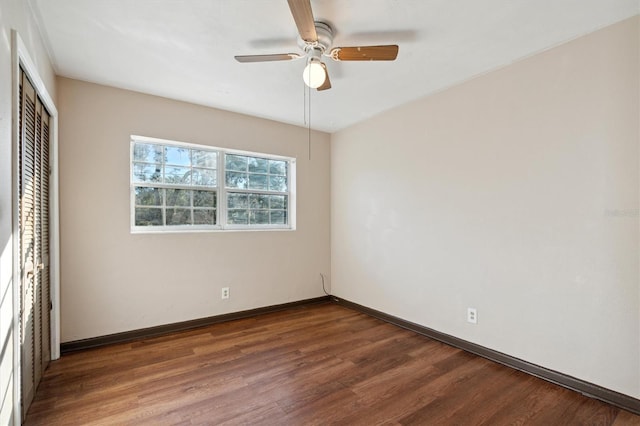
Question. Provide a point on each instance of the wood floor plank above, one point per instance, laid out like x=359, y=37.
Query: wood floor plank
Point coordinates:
x=392, y=395
x=460, y=400
x=625, y=418
x=313, y=365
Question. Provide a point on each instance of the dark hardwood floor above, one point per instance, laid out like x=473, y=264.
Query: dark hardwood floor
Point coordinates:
x=319, y=364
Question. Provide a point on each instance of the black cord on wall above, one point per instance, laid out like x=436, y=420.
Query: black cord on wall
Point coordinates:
x=323, y=287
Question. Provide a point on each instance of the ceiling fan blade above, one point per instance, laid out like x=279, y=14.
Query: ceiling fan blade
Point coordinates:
x=327, y=83
x=267, y=58
x=302, y=14
x=365, y=53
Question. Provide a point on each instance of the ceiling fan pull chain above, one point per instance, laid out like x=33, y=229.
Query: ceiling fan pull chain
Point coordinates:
x=309, y=123
x=304, y=103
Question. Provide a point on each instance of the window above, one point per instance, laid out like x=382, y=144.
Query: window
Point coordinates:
x=178, y=187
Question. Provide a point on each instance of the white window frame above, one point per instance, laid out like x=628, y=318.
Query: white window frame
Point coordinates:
x=221, y=191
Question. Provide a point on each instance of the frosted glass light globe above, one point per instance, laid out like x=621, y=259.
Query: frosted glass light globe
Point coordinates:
x=314, y=74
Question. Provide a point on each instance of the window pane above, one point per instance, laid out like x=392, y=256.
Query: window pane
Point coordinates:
x=204, y=177
x=278, y=202
x=257, y=181
x=258, y=201
x=278, y=167
x=147, y=152
x=204, y=217
x=278, y=183
x=178, y=217
x=177, y=156
x=237, y=180
x=204, y=159
x=279, y=217
x=180, y=175
x=238, y=217
x=178, y=197
x=204, y=199
x=176, y=185
x=148, y=217
x=148, y=196
x=258, y=165
x=259, y=217
x=236, y=162
x=237, y=201
x=146, y=173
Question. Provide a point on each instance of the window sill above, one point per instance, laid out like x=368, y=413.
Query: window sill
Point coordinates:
x=219, y=230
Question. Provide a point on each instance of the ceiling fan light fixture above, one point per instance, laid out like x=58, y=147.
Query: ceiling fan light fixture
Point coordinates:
x=315, y=39
x=314, y=74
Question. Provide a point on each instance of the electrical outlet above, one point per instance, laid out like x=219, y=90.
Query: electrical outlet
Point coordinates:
x=472, y=315
x=225, y=293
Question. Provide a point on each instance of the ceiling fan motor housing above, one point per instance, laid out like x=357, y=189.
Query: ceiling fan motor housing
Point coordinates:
x=324, y=42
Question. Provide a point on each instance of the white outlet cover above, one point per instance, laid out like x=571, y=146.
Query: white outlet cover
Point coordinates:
x=472, y=315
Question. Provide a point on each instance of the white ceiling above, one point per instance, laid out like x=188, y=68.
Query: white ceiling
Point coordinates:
x=183, y=49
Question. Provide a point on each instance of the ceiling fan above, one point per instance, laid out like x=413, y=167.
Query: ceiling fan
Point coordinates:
x=316, y=39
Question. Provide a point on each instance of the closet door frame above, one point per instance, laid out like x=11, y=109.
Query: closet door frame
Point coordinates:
x=22, y=59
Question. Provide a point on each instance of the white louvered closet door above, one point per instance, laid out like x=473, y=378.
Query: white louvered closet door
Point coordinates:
x=35, y=296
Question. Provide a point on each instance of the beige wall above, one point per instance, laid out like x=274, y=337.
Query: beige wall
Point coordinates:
x=114, y=281
x=515, y=193
x=14, y=14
